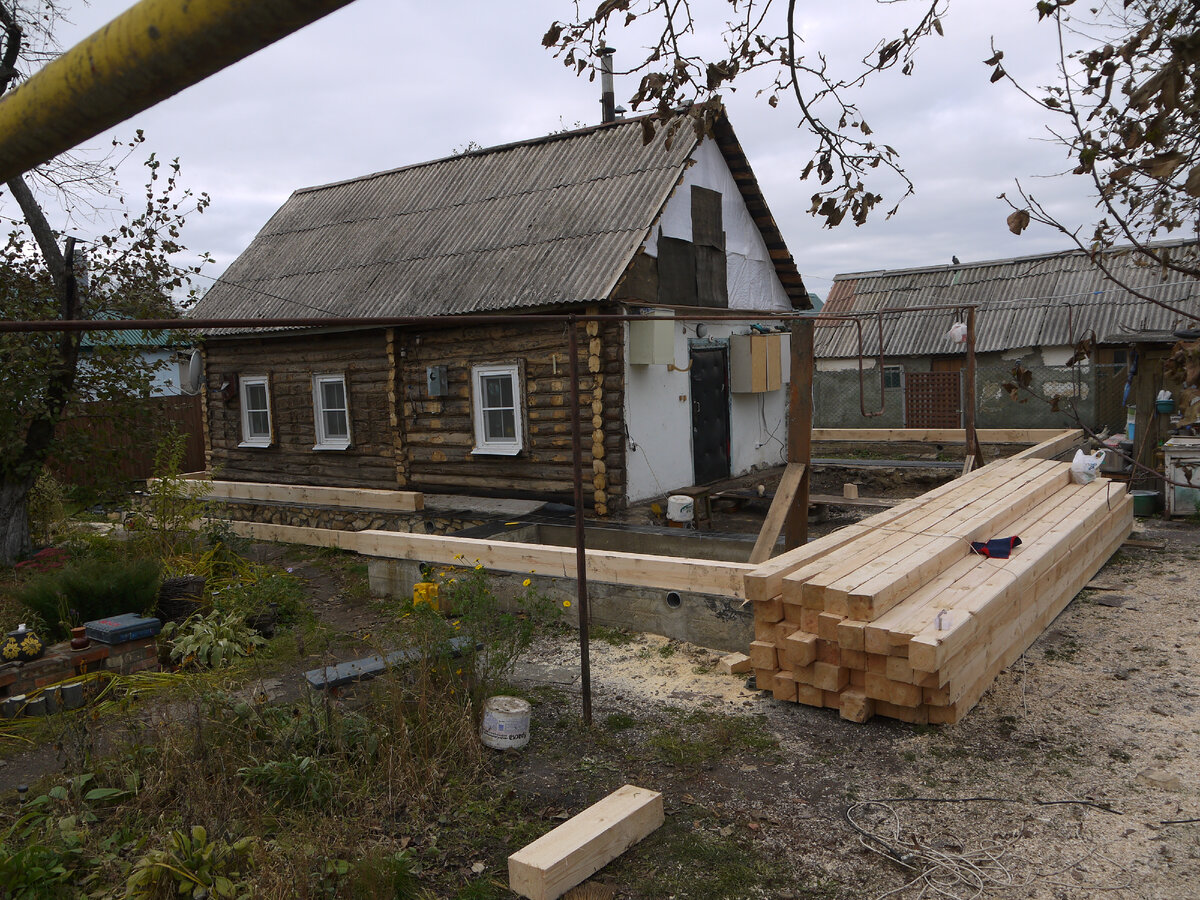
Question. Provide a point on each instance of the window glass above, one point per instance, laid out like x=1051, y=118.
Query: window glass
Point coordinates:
x=497, y=410
x=331, y=412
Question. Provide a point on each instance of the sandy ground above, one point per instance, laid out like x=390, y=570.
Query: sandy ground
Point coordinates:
x=1077, y=775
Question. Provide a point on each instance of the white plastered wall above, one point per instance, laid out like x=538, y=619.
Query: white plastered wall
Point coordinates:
x=658, y=408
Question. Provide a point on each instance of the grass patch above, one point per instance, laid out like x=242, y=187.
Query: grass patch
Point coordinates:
x=614, y=637
x=684, y=859
x=697, y=740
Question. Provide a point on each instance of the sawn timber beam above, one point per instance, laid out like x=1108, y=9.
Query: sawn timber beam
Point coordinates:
x=668, y=573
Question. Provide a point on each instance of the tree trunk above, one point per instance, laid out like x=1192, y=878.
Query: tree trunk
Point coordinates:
x=14, y=520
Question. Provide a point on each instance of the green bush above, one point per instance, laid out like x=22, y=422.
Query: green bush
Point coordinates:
x=251, y=599
x=88, y=588
x=211, y=641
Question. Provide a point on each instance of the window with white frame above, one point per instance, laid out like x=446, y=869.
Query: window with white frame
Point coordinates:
x=893, y=377
x=496, y=398
x=331, y=411
x=256, y=410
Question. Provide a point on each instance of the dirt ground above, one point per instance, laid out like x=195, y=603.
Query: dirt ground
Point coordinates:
x=1076, y=775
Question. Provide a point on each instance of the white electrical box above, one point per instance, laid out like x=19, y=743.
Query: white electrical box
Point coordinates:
x=652, y=341
x=755, y=363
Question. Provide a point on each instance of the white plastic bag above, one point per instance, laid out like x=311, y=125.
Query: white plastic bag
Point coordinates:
x=957, y=333
x=1086, y=466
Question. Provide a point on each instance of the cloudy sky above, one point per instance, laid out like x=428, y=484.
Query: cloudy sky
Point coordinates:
x=387, y=83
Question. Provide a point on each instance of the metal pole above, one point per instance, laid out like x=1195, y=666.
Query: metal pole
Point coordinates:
x=585, y=668
x=974, y=451
x=795, y=531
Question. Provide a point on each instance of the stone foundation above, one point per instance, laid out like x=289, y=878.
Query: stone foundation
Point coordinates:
x=342, y=518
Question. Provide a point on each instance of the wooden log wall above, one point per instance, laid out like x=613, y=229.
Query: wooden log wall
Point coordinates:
x=439, y=431
x=290, y=363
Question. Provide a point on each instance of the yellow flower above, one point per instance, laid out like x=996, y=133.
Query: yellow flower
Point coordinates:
x=567, y=604
x=479, y=567
x=525, y=583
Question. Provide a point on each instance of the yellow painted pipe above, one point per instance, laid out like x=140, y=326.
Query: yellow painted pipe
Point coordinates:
x=150, y=52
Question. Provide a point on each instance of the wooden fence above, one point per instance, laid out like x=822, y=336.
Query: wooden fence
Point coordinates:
x=123, y=442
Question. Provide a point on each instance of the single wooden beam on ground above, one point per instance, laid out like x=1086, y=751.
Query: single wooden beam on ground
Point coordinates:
x=670, y=573
x=584, y=844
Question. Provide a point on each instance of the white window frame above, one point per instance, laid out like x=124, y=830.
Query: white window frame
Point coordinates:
x=899, y=373
x=250, y=439
x=497, y=447
x=325, y=441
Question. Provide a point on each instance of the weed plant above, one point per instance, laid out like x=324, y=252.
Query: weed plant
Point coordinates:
x=90, y=587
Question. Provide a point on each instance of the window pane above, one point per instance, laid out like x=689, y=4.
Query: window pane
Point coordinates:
x=497, y=391
x=333, y=395
x=500, y=425
x=256, y=396
x=336, y=425
x=260, y=425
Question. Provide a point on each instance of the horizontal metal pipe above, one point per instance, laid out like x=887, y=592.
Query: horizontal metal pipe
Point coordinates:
x=192, y=324
x=148, y=53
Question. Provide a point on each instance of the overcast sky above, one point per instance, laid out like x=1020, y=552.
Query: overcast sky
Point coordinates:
x=388, y=83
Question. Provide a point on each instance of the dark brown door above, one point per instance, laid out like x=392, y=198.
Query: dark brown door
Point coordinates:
x=710, y=415
x=932, y=400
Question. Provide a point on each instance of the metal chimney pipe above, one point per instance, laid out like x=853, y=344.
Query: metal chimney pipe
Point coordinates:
x=608, y=102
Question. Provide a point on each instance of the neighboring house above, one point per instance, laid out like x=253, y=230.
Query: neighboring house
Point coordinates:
x=161, y=354
x=586, y=221
x=1032, y=312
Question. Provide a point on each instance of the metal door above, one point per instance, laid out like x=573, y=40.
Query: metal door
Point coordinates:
x=710, y=414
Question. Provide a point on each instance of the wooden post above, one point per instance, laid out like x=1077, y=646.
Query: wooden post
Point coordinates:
x=1146, y=385
x=800, y=429
x=973, y=450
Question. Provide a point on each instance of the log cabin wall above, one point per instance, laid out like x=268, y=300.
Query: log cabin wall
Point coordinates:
x=439, y=432
x=290, y=363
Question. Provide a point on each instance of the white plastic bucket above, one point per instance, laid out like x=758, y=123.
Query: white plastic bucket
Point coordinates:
x=680, y=508
x=505, y=723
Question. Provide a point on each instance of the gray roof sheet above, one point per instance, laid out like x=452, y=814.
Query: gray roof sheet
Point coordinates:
x=1052, y=299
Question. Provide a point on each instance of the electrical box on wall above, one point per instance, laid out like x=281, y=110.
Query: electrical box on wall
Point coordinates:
x=755, y=363
x=652, y=341
x=437, y=384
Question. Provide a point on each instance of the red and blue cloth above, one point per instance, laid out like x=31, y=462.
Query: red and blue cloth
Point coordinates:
x=996, y=548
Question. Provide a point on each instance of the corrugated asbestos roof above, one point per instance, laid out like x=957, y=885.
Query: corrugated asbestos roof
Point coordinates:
x=1035, y=301
x=549, y=221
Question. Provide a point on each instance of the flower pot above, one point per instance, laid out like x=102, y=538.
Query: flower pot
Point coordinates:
x=21, y=645
x=79, y=638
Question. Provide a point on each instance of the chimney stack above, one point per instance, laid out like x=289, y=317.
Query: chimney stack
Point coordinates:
x=608, y=102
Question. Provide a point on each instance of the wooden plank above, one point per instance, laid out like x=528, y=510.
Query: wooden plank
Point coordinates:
x=766, y=580
x=364, y=498
x=921, y=551
x=1052, y=446
x=934, y=435
x=785, y=496
x=734, y=664
x=585, y=843
x=669, y=573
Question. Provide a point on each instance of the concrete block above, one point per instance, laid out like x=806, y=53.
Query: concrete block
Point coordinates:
x=35, y=707
x=51, y=696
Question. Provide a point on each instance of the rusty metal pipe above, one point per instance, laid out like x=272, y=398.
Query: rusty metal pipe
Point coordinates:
x=581, y=594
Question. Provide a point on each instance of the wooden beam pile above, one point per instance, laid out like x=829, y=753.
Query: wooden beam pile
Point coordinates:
x=895, y=615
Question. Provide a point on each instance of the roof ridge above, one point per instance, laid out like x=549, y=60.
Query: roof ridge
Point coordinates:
x=483, y=151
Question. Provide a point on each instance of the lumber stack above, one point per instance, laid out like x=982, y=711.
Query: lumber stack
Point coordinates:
x=896, y=616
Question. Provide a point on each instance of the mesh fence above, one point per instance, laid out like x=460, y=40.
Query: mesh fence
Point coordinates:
x=913, y=397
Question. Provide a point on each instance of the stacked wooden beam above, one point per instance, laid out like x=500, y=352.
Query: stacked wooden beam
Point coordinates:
x=896, y=616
